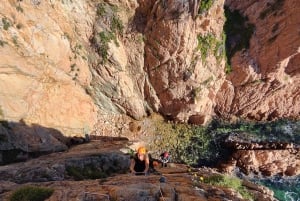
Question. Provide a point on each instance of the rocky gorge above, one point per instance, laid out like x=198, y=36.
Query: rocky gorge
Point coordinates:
x=159, y=73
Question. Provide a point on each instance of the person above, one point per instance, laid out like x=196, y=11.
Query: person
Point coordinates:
x=164, y=158
x=139, y=163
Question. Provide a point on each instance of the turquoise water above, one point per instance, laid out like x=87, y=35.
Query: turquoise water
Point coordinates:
x=284, y=189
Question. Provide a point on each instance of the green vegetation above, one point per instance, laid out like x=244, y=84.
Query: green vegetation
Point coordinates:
x=209, y=44
x=205, y=5
x=198, y=145
x=31, y=193
x=238, y=33
x=105, y=38
x=15, y=41
x=113, y=27
x=6, y=23
x=73, y=67
x=101, y=9
x=19, y=9
x=283, y=189
x=272, y=8
x=87, y=172
x=116, y=25
x=2, y=43
x=229, y=182
x=186, y=143
x=205, y=44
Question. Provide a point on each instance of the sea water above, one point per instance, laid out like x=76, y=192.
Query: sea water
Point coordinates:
x=285, y=189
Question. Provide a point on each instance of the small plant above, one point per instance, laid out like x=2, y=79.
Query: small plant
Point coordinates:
x=31, y=193
x=19, y=9
x=209, y=44
x=87, y=172
x=116, y=25
x=73, y=67
x=6, y=23
x=228, y=68
x=67, y=36
x=101, y=10
x=15, y=41
x=205, y=5
x=229, y=182
x=2, y=43
x=105, y=38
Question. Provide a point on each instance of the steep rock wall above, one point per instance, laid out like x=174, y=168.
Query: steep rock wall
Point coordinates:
x=265, y=82
x=79, y=66
x=43, y=65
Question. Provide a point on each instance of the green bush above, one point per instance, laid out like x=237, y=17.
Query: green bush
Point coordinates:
x=210, y=44
x=198, y=145
x=205, y=5
x=87, y=172
x=105, y=37
x=6, y=23
x=101, y=10
x=19, y=9
x=229, y=182
x=31, y=193
x=186, y=143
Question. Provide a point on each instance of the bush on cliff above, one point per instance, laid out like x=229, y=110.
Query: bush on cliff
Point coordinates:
x=31, y=193
x=229, y=182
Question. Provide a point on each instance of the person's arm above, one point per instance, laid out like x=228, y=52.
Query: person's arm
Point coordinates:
x=147, y=162
x=132, y=164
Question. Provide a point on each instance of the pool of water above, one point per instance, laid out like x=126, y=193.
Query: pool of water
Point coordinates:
x=285, y=189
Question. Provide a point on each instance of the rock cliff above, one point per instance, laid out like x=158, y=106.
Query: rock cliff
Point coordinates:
x=264, y=82
x=99, y=171
x=76, y=66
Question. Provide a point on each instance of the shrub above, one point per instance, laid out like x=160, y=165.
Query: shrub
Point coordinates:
x=105, y=37
x=210, y=44
x=229, y=182
x=31, y=193
x=116, y=25
x=205, y=5
x=101, y=10
x=198, y=145
x=186, y=143
x=87, y=172
x=19, y=9
x=6, y=23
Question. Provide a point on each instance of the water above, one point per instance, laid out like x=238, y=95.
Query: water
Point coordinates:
x=287, y=189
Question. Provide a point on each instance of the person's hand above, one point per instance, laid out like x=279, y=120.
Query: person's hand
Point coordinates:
x=133, y=172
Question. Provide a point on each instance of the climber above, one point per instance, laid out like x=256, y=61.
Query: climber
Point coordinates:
x=164, y=158
x=140, y=162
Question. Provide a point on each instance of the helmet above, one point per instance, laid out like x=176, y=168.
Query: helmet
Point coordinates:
x=166, y=154
x=141, y=150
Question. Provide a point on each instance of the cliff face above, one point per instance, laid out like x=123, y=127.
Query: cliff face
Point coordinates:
x=75, y=66
x=43, y=66
x=264, y=83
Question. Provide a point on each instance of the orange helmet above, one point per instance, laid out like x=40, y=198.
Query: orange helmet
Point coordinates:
x=141, y=150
